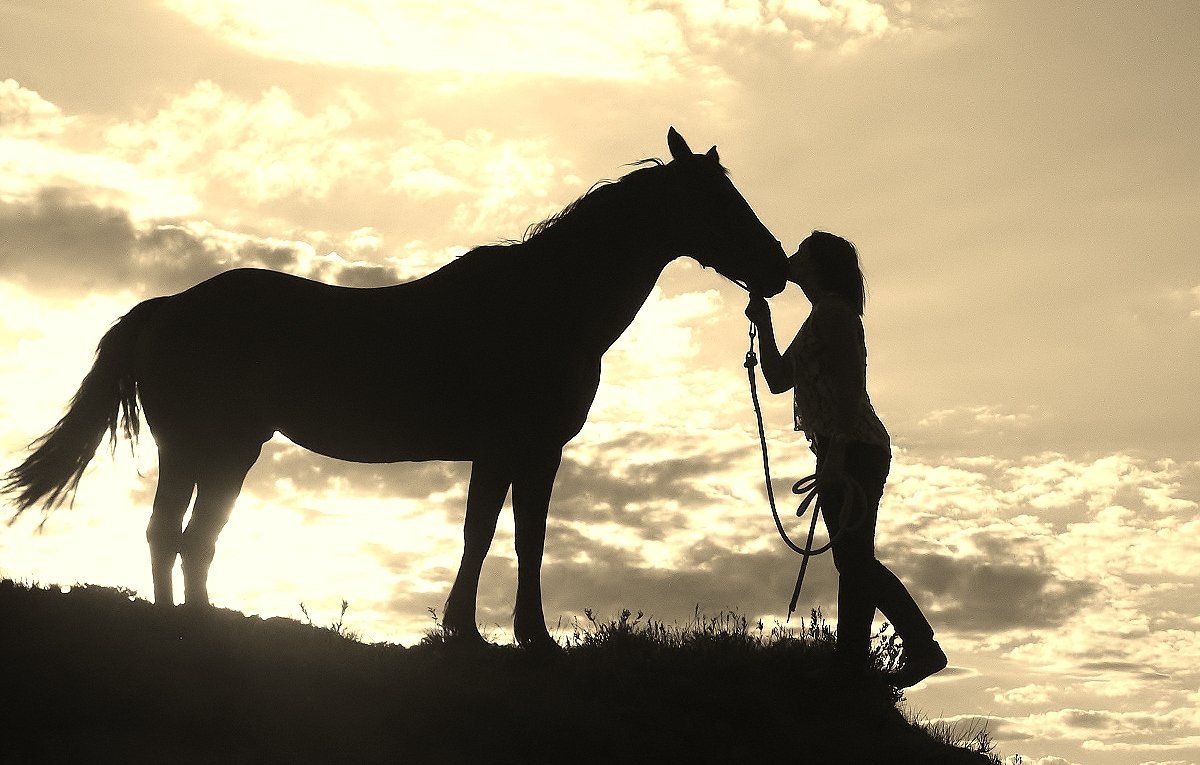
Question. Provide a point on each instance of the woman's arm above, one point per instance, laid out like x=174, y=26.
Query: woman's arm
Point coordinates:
x=776, y=370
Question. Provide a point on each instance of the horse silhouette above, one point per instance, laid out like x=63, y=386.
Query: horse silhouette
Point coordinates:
x=493, y=358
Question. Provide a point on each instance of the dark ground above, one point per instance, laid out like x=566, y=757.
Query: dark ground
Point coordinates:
x=96, y=675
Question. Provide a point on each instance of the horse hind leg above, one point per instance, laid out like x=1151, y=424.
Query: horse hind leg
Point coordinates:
x=219, y=481
x=489, y=486
x=164, y=533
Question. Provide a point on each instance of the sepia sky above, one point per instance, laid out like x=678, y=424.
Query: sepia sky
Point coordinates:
x=1021, y=179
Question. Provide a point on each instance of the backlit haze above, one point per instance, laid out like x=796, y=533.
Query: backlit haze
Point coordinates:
x=1021, y=181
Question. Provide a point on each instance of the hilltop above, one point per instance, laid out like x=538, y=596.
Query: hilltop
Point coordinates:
x=96, y=673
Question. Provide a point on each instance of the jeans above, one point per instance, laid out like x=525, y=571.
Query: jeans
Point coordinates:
x=864, y=583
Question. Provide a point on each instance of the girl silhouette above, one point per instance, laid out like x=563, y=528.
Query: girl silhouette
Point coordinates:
x=826, y=367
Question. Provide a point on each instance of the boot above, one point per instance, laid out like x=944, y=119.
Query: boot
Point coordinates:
x=918, y=662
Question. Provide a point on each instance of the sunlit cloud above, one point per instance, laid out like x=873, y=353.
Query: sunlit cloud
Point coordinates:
x=25, y=114
x=1026, y=694
x=36, y=153
x=228, y=154
x=265, y=149
x=234, y=151
x=977, y=419
x=506, y=184
x=527, y=37
x=854, y=21
x=1102, y=729
x=28, y=166
x=597, y=39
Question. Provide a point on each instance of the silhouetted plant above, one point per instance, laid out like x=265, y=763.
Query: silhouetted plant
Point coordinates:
x=972, y=736
x=339, y=627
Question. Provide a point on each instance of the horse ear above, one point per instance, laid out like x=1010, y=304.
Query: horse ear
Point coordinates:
x=712, y=154
x=678, y=146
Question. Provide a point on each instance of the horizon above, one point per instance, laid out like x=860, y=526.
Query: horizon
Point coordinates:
x=1020, y=182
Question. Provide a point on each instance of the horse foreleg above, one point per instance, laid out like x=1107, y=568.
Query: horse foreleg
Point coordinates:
x=165, y=530
x=532, y=485
x=490, y=481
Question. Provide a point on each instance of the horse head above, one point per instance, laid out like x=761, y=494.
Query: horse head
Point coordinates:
x=715, y=225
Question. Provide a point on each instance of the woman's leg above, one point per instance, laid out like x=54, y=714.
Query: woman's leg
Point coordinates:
x=854, y=558
x=865, y=583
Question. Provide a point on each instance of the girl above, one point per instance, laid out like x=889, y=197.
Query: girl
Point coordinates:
x=826, y=367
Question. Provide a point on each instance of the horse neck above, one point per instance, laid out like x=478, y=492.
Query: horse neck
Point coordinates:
x=602, y=277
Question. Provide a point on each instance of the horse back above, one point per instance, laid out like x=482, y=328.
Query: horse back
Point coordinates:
x=429, y=369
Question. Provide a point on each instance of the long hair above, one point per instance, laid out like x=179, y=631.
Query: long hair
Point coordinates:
x=836, y=260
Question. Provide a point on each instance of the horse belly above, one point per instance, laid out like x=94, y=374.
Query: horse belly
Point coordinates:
x=444, y=418
x=349, y=433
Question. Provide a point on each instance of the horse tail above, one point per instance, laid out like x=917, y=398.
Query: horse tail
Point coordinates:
x=105, y=402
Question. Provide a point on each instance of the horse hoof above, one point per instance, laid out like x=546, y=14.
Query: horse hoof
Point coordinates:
x=541, y=645
x=464, y=638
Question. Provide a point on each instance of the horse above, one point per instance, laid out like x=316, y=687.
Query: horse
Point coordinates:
x=493, y=358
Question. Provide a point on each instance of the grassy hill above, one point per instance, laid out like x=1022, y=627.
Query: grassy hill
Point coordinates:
x=96, y=674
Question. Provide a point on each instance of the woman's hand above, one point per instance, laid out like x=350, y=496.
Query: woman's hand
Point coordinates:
x=758, y=311
x=776, y=371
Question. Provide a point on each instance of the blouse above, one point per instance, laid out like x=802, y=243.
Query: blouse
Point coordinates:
x=829, y=366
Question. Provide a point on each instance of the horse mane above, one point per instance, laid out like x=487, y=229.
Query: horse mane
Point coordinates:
x=587, y=200
x=584, y=205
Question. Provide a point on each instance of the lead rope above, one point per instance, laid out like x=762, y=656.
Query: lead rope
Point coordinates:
x=805, y=487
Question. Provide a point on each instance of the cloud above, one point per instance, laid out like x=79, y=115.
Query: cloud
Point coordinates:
x=977, y=596
x=1112, y=730
x=25, y=114
x=233, y=151
x=265, y=149
x=977, y=419
x=69, y=245
x=853, y=21
x=614, y=483
x=756, y=584
x=37, y=153
x=496, y=183
x=1025, y=694
x=579, y=572
x=61, y=243
x=28, y=167
x=1059, y=483
x=242, y=158
x=655, y=375
x=596, y=39
x=1096, y=582
x=606, y=39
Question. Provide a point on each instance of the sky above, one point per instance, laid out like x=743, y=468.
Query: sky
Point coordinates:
x=1020, y=178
